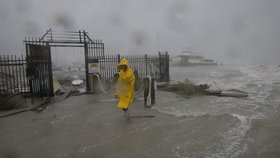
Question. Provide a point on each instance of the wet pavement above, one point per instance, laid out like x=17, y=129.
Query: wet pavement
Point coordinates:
x=88, y=126
x=91, y=126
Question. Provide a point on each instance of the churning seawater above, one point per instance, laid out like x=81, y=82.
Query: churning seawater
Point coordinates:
x=245, y=127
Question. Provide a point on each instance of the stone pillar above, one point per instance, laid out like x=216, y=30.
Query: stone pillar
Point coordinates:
x=94, y=83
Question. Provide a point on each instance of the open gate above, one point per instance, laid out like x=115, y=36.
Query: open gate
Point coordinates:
x=39, y=65
x=38, y=55
x=39, y=71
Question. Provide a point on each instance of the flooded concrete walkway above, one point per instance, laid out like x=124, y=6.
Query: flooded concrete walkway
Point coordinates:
x=85, y=126
x=81, y=126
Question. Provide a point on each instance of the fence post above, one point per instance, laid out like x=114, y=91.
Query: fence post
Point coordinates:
x=119, y=58
x=160, y=72
x=86, y=60
x=2, y=84
x=86, y=66
x=167, y=67
x=51, y=34
x=51, y=93
x=80, y=36
x=146, y=64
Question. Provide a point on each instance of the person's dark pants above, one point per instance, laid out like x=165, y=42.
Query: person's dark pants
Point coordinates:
x=126, y=113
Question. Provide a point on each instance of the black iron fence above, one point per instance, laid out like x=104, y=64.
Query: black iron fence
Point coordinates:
x=13, y=75
x=157, y=66
x=29, y=77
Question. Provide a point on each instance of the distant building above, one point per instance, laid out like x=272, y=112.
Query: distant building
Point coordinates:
x=188, y=58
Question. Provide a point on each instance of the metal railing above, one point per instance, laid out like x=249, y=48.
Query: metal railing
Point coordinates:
x=156, y=66
x=13, y=75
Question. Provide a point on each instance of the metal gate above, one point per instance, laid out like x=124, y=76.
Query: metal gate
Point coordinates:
x=38, y=54
x=39, y=71
x=163, y=66
x=39, y=66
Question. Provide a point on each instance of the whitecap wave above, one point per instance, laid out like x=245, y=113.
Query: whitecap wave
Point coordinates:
x=232, y=140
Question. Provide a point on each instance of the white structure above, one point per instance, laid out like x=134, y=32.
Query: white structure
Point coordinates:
x=187, y=58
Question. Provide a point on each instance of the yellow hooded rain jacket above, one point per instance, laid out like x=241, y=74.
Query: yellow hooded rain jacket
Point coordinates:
x=125, y=86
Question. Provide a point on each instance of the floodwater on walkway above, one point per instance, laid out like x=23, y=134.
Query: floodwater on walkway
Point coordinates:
x=197, y=126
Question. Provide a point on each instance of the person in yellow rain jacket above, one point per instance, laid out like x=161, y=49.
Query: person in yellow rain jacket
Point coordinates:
x=125, y=87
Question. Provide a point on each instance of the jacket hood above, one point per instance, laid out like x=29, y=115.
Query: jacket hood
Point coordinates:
x=123, y=62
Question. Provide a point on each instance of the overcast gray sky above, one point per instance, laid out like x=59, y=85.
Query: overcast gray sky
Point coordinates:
x=225, y=30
